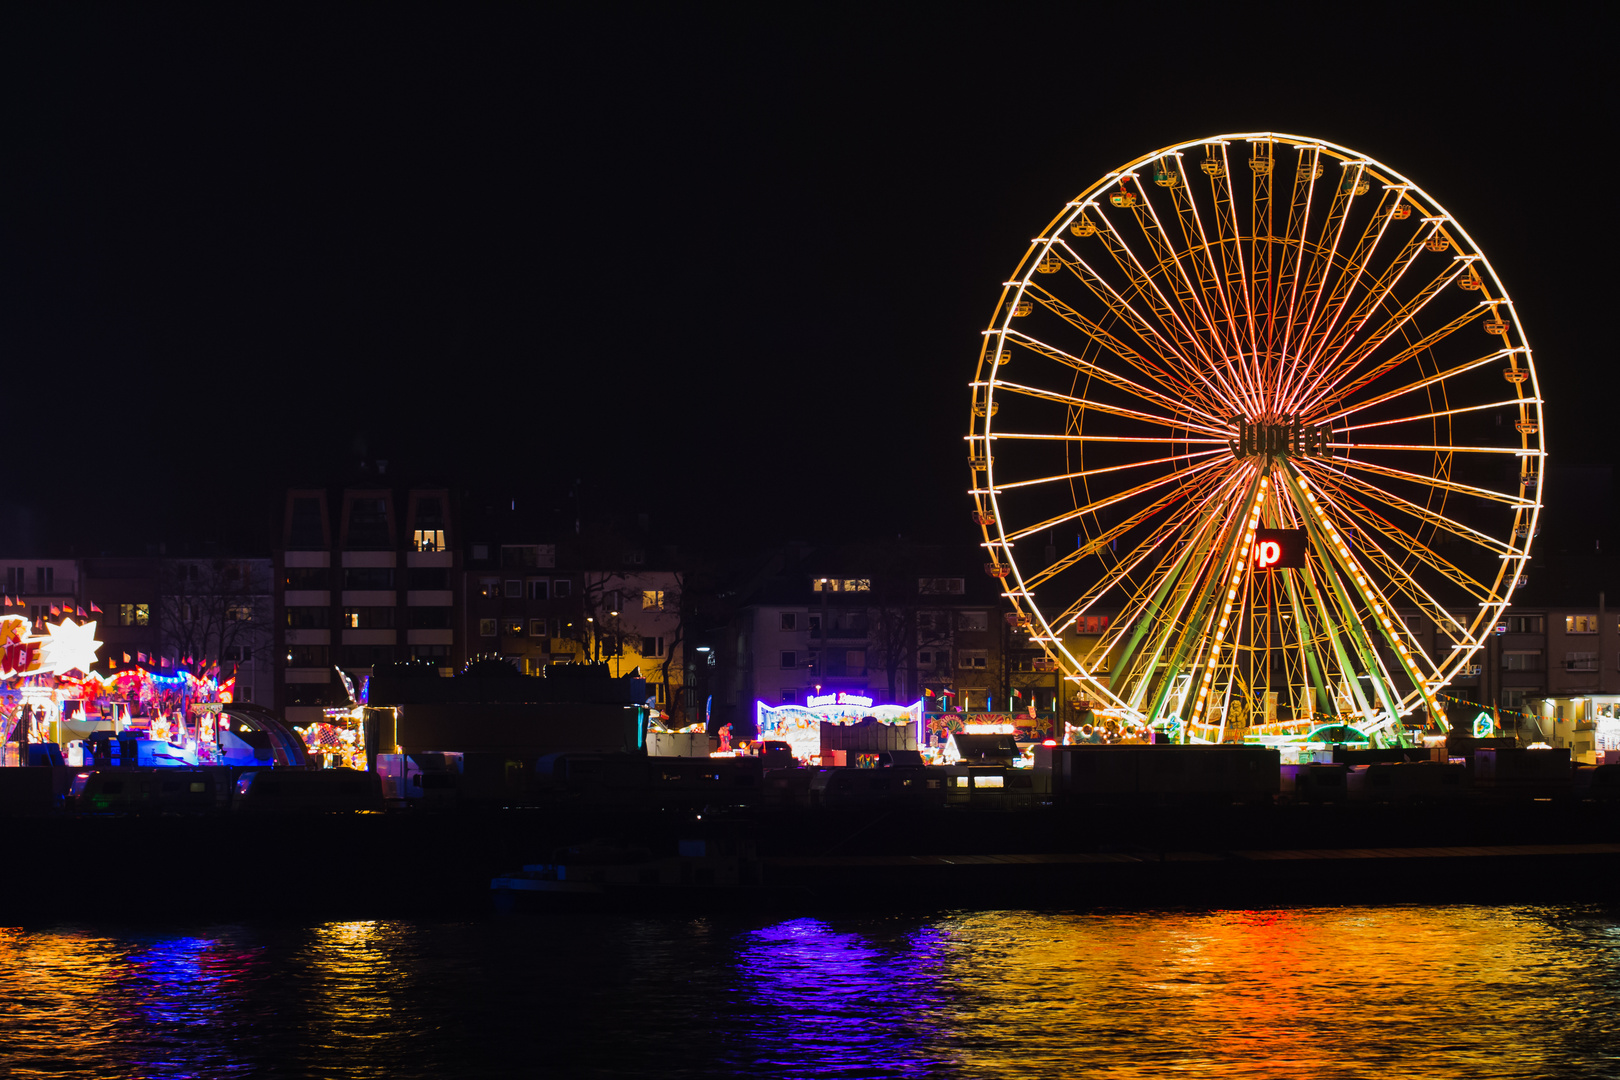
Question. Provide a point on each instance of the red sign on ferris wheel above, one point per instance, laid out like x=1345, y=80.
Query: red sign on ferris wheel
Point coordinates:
x=1279, y=549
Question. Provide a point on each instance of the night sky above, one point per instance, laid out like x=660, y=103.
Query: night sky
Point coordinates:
x=723, y=265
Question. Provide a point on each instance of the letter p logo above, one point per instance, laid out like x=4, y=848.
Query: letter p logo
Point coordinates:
x=1267, y=553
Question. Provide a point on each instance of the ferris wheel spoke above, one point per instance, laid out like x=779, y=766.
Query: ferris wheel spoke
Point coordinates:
x=1171, y=364
x=1376, y=296
x=1231, y=246
x=1129, y=386
x=1332, y=394
x=1367, y=522
x=1081, y=438
x=1349, y=356
x=1185, y=505
x=1407, y=541
x=1091, y=508
x=1176, y=317
x=1292, y=260
x=1103, y=471
x=1179, y=348
x=1178, y=423
x=1419, y=384
x=1213, y=298
x=1355, y=270
x=1507, y=403
x=1515, y=501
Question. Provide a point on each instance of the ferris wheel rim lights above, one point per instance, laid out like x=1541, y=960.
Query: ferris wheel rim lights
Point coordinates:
x=1051, y=252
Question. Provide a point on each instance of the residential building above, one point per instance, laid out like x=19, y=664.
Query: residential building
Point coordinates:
x=364, y=576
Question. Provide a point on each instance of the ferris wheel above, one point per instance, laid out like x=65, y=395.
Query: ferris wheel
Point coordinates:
x=1256, y=442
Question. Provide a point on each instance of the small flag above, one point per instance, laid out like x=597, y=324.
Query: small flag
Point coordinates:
x=126, y=658
x=927, y=692
x=142, y=656
x=94, y=608
x=1017, y=693
x=948, y=693
x=8, y=599
x=55, y=610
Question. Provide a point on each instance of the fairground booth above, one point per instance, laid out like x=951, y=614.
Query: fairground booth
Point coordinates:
x=829, y=726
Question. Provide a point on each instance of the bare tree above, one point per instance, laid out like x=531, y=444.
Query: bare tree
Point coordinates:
x=212, y=611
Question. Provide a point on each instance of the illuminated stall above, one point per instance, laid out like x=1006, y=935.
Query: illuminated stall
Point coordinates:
x=800, y=725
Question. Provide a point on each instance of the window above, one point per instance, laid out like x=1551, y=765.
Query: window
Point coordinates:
x=925, y=658
x=431, y=652
x=1414, y=623
x=243, y=693
x=930, y=622
x=308, y=618
x=539, y=589
x=486, y=627
x=815, y=626
x=134, y=614
x=790, y=695
x=652, y=599
x=368, y=618
x=841, y=584
x=537, y=628
x=367, y=656
x=308, y=656
x=520, y=556
x=45, y=578
x=973, y=620
x=429, y=532
x=1091, y=624
x=1580, y=661
x=972, y=658
x=305, y=530
x=514, y=589
x=428, y=618
x=307, y=577
x=854, y=661
x=560, y=588
x=368, y=523
x=635, y=557
x=237, y=653
x=239, y=612
x=1526, y=624
x=652, y=647
x=1580, y=624
x=426, y=577
x=512, y=627
x=941, y=586
x=1514, y=699
x=790, y=620
x=480, y=552
x=1521, y=660
x=790, y=659
x=489, y=588
x=368, y=577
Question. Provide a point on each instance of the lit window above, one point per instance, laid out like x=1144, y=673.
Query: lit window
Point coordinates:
x=239, y=613
x=428, y=539
x=486, y=627
x=973, y=620
x=1580, y=624
x=652, y=599
x=972, y=658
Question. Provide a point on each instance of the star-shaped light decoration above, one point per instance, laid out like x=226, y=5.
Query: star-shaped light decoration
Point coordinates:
x=70, y=645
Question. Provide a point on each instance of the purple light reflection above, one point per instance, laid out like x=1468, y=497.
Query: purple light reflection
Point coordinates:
x=828, y=1003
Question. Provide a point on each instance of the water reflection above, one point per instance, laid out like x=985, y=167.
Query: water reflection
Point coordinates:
x=1407, y=992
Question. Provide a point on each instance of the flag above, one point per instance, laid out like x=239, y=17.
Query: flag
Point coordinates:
x=927, y=692
x=55, y=610
x=126, y=658
x=94, y=608
x=948, y=693
x=142, y=656
x=1017, y=693
x=8, y=599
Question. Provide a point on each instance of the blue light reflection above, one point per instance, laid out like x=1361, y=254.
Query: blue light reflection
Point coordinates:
x=831, y=1003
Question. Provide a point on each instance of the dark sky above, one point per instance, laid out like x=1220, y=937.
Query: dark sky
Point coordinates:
x=724, y=264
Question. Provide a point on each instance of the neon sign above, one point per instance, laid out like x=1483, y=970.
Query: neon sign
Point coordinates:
x=1279, y=549
x=858, y=700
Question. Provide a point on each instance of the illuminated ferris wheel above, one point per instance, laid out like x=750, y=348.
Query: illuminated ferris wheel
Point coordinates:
x=1256, y=442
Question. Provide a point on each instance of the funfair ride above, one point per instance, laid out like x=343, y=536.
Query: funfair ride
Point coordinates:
x=1256, y=443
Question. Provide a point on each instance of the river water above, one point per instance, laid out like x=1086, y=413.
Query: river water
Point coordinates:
x=1399, y=992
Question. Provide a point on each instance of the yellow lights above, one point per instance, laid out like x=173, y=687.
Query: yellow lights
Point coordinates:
x=1231, y=594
